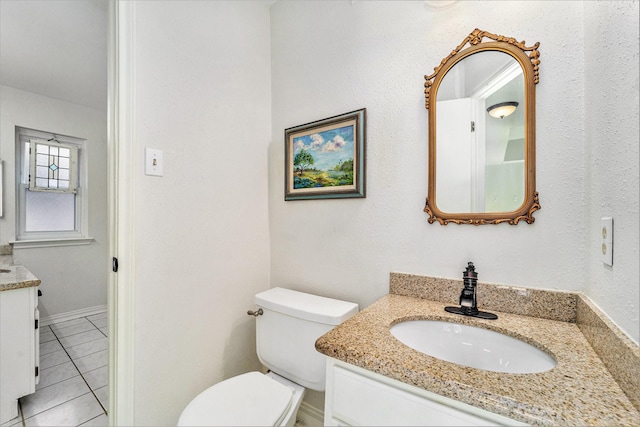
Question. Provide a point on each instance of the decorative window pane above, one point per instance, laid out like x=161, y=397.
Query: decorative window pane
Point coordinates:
x=42, y=172
x=54, y=167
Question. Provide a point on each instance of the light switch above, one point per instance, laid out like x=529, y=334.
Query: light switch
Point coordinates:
x=153, y=162
x=606, y=242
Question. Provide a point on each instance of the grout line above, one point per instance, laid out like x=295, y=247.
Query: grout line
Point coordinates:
x=77, y=333
x=94, y=325
x=83, y=342
x=88, y=354
x=97, y=416
x=89, y=320
x=81, y=375
x=66, y=379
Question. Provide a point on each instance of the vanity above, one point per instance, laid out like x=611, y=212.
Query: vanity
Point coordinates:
x=19, y=337
x=374, y=379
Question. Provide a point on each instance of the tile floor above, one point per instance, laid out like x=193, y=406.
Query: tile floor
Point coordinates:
x=73, y=376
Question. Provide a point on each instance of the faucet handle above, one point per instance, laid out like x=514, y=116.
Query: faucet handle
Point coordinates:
x=470, y=276
x=470, y=272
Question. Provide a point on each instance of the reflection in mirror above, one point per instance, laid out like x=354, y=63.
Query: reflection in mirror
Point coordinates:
x=480, y=163
x=481, y=103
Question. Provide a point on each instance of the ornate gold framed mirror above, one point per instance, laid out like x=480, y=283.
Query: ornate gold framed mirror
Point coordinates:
x=481, y=102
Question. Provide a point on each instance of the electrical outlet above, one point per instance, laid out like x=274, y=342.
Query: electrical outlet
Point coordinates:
x=606, y=230
x=153, y=162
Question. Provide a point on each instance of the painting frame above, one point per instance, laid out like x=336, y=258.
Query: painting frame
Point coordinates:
x=326, y=159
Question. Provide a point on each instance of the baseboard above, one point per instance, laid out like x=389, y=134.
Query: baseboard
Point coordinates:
x=309, y=416
x=70, y=315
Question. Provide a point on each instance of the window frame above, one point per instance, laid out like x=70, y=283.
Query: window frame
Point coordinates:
x=50, y=238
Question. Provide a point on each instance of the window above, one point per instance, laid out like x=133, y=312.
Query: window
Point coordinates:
x=50, y=203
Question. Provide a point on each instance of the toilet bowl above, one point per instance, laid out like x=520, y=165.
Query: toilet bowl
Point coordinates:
x=287, y=327
x=251, y=399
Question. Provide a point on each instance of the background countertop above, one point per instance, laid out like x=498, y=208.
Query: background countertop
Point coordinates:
x=16, y=277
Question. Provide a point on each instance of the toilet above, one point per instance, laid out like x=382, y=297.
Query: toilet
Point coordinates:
x=287, y=327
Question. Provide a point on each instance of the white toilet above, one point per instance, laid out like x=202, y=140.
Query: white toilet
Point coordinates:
x=286, y=333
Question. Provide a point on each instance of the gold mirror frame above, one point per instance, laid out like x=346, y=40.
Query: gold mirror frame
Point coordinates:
x=529, y=63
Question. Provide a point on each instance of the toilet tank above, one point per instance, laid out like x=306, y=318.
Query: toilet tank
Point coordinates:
x=286, y=333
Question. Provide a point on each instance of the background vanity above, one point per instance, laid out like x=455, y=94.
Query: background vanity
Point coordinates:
x=19, y=337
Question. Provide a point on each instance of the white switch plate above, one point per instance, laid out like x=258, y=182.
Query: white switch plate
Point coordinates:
x=606, y=230
x=153, y=162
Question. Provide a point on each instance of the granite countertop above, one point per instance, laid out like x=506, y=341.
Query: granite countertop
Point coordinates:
x=16, y=277
x=578, y=391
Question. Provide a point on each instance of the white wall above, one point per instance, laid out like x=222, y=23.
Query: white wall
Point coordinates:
x=331, y=57
x=612, y=138
x=73, y=277
x=202, y=95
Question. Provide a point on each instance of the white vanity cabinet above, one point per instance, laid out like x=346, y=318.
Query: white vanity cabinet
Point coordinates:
x=355, y=396
x=19, y=347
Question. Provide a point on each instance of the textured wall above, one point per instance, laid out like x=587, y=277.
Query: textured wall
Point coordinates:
x=201, y=231
x=612, y=138
x=333, y=57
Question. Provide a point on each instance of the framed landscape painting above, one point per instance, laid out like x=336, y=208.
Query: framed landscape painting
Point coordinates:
x=325, y=159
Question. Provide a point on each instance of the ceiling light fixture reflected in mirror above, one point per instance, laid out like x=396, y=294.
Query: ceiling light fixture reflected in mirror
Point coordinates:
x=502, y=110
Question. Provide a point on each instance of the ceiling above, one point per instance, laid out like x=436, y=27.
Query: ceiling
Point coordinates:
x=56, y=48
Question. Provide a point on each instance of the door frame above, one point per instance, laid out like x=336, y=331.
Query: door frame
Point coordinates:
x=120, y=134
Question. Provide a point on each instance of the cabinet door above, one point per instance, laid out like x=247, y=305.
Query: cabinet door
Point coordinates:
x=358, y=397
x=18, y=348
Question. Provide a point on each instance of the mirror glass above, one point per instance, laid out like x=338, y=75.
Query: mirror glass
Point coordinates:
x=481, y=102
x=480, y=158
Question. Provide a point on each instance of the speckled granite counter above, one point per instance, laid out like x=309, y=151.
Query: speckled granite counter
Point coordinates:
x=16, y=277
x=578, y=391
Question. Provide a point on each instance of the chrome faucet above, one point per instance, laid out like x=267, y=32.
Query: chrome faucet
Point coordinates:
x=468, y=300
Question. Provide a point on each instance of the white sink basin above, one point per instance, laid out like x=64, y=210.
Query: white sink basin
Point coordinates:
x=473, y=347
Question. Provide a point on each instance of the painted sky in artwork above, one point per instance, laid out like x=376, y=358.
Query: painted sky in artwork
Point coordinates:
x=328, y=148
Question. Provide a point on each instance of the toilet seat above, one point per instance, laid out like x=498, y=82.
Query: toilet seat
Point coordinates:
x=250, y=399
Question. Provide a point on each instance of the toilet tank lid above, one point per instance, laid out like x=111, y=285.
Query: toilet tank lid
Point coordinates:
x=315, y=308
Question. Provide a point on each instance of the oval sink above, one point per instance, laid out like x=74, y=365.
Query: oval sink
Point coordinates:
x=472, y=346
